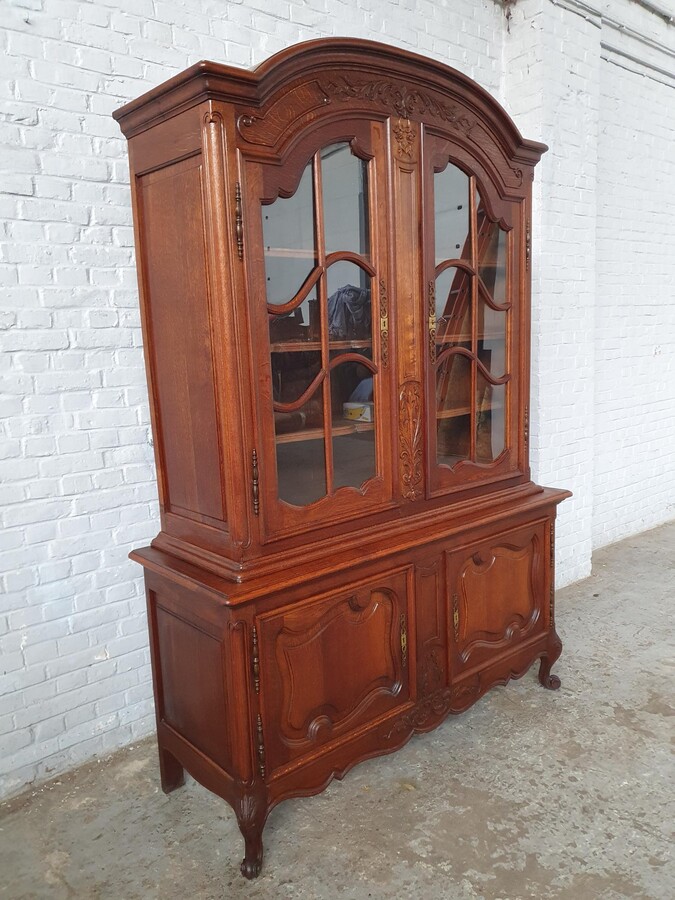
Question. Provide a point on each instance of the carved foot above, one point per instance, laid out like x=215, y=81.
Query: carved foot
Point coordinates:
x=550, y=682
x=251, y=865
x=171, y=772
x=251, y=810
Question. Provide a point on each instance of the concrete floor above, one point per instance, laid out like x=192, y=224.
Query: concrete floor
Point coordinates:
x=530, y=794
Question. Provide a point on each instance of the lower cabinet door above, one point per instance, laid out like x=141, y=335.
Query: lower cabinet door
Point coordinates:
x=330, y=665
x=497, y=591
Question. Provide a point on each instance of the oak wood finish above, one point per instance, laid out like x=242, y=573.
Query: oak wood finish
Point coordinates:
x=291, y=641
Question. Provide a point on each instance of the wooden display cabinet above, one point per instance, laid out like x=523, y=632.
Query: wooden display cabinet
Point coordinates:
x=334, y=264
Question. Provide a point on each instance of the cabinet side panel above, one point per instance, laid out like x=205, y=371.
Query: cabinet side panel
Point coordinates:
x=193, y=685
x=172, y=243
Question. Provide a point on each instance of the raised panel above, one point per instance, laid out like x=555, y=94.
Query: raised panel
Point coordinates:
x=498, y=594
x=191, y=689
x=173, y=259
x=330, y=666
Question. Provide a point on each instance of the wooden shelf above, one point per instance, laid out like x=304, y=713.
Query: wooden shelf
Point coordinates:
x=466, y=338
x=465, y=411
x=340, y=427
x=290, y=253
x=299, y=346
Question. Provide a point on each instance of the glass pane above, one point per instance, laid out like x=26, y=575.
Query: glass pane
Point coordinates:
x=492, y=338
x=345, y=199
x=353, y=408
x=353, y=458
x=288, y=235
x=292, y=374
x=349, y=309
x=453, y=409
x=492, y=257
x=453, y=307
x=301, y=326
x=451, y=202
x=490, y=420
x=301, y=465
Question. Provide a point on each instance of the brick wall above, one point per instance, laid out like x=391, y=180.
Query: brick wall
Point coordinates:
x=634, y=483
x=77, y=490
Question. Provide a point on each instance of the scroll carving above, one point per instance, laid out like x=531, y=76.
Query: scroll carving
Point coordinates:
x=404, y=101
x=438, y=704
x=410, y=440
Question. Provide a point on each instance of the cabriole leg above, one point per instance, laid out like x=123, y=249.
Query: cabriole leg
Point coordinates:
x=251, y=811
x=551, y=682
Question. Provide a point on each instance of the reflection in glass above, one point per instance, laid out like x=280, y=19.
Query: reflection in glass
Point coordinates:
x=453, y=306
x=492, y=257
x=301, y=466
x=489, y=419
x=349, y=303
x=300, y=325
x=292, y=374
x=452, y=215
x=491, y=338
x=453, y=409
x=345, y=199
x=288, y=235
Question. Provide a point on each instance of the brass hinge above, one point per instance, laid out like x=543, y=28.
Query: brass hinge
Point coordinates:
x=255, y=486
x=528, y=245
x=261, y=746
x=431, y=300
x=239, y=220
x=256, y=660
x=455, y=615
x=551, y=594
x=404, y=641
x=384, y=324
x=526, y=429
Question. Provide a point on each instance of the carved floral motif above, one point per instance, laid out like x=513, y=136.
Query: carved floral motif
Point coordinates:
x=432, y=674
x=404, y=101
x=405, y=137
x=436, y=705
x=410, y=440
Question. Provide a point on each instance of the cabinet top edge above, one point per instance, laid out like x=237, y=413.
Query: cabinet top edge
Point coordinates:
x=208, y=80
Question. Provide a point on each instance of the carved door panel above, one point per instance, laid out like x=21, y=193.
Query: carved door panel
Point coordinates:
x=496, y=591
x=473, y=297
x=318, y=274
x=331, y=665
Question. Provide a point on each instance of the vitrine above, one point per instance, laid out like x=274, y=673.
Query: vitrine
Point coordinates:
x=334, y=265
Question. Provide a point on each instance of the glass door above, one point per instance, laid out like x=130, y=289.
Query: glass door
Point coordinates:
x=327, y=391
x=469, y=380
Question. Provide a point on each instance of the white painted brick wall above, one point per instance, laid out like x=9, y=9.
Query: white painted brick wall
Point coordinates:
x=77, y=490
x=634, y=484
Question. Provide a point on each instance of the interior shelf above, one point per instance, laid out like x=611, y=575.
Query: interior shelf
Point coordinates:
x=466, y=410
x=290, y=253
x=301, y=346
x=340, y=427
